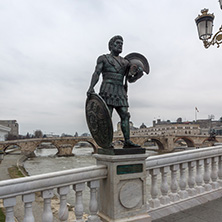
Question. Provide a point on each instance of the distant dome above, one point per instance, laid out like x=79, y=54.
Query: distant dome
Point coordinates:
x=143, y=126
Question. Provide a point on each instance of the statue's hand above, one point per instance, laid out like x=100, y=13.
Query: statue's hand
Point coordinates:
x=138, y=73
x=90, y=91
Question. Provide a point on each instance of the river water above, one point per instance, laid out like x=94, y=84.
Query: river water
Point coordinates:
x=46, y=162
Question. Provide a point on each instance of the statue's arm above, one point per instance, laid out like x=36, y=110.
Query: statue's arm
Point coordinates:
x=95, y=76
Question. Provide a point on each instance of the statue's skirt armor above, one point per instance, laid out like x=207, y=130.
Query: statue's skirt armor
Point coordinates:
x=112, y=90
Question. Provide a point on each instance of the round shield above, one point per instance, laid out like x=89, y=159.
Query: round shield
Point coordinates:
x=137, y=59
x=99, y=120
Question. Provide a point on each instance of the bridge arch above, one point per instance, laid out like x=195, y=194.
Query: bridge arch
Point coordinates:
x=8, y=146
x=159, y=144
x=188, y=141
x=90, y=143
x=41, y=147
x=142, y=140
x=209, y=141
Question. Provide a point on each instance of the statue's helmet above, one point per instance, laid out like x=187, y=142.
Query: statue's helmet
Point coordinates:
x=137, y=62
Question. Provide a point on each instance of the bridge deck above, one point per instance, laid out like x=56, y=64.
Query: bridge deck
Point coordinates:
x=208, y=212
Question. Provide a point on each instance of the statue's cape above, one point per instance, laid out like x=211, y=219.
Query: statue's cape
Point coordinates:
x=99, y=120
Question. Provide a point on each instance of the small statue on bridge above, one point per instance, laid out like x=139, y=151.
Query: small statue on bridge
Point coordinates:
x=116, y=72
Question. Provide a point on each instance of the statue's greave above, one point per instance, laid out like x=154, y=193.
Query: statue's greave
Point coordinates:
x=125, y=126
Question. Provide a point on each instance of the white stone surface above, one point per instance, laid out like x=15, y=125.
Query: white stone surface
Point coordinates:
x=199, y=180
x=123, y=196
x=130, y=194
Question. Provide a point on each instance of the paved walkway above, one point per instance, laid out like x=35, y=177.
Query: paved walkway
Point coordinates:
x=208, y=212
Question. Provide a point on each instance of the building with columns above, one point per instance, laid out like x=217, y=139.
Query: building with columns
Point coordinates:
x=163, y=128
x=168, y=129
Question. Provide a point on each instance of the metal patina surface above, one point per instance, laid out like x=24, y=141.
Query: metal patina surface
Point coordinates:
x=116, y=73
x=137, y=60
x=99, y=121
x=130, y=168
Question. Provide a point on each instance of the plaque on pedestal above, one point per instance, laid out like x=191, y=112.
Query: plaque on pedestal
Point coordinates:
x=122, y=151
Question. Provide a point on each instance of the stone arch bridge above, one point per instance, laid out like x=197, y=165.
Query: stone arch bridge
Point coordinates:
x=66, y=144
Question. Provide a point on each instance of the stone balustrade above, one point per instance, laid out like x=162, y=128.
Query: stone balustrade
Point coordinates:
x=46, y=183
x=182, y=180
x=175, y=182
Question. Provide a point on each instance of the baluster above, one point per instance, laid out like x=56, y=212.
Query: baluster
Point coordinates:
x=28, y=199
x=206, y=178
x=154, y=202
x=63, y=209
x=93, y=205
x=79, y=203
x=174, y=196
x=47, y=212
x=148, y=182
x=220, y=170
x=164, y=199
x=199, y=177
x=191, y=178
x=9, y=204
x=183, y=181
x=214, y=173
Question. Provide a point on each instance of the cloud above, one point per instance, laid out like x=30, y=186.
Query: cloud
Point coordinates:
x=49, y=51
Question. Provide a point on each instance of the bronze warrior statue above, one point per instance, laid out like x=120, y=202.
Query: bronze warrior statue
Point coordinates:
x=116, y=71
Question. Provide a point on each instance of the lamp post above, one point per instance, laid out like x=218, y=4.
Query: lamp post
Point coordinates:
x=220, y=1
x=205, y=27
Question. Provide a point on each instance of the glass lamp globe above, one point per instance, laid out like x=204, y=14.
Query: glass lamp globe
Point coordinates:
x=220, y=1
x=205, y=24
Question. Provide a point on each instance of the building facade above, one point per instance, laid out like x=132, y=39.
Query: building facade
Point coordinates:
x=168, y=130
x=4, y=132
x=161, y=128
x=12, y=124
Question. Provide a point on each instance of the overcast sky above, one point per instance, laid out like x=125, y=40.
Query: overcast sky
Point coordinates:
x=49, y=50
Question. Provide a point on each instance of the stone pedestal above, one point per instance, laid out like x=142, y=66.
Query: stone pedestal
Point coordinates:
x=123, y=193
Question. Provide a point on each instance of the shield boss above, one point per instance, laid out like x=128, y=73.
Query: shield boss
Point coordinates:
x=99, y=121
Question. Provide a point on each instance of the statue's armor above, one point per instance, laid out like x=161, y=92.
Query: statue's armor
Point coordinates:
x=112, y=88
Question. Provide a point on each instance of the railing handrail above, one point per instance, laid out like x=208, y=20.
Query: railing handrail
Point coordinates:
x=14, y=187
x=181, y=157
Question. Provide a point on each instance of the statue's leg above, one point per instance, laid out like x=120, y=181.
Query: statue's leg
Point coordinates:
x=111, y=113
x=124, y=117
x=125, y=126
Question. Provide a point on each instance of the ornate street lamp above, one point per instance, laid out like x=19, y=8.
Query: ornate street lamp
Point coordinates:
x=205, y=26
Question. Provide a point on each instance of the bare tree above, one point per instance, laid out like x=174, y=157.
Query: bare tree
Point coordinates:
x=38, y=134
